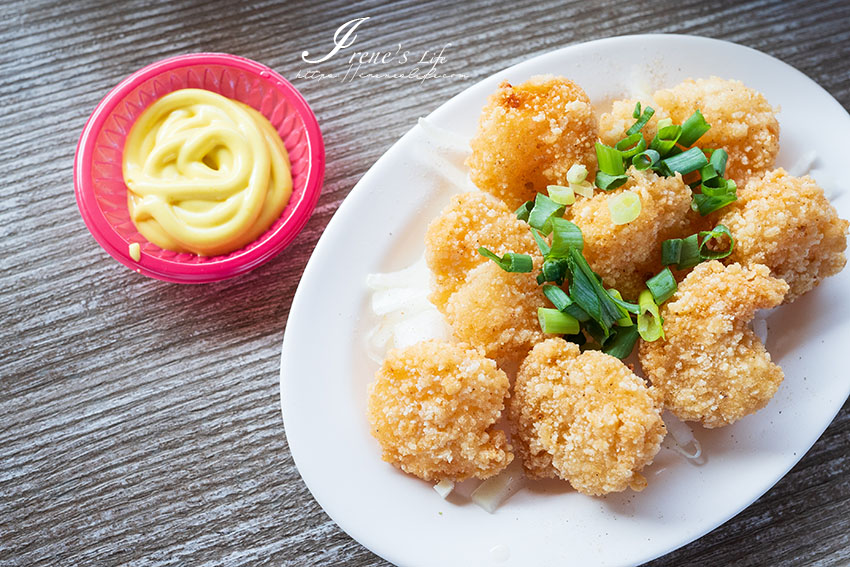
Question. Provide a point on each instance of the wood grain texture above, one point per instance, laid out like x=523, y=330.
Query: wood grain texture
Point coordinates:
x=140, y=421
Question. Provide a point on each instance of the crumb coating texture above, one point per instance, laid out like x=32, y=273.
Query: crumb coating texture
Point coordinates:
x=626, y=255
x=742, y=122
x=711, y=367
x=787, y=224
x=614, y=123
x=470, y=221
x=529, y=135
x=497, y=311
x=585, y=418
x=432, y=408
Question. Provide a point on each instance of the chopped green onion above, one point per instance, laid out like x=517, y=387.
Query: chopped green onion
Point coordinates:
x=555, y=271
x=510, y=262
x=671, y=250
x=621, y=303
x=646, y=159
x=561, y=195
x=557, y=296
x=555, y=322
x=565, y=235
x=707, y=204
x=718, y=231
x=621, y=344
x=577, y=173
x=609, y=182
x=624, y=207
x=641, y=122
x=707, y=173
x=586, y=290
x=578, y=339
x=693, y=128
x=662, y=286
x=649, y=319
x=665, y=139
x=610, y=160
x=626, y=320
x=685, y=162
x=663, y=123
x=718, y=161
x=636, y=112
x=689, y=256
x=541, y=242
x=631, y=145
x=585, y=188
x=524, y=210
x=542, y=213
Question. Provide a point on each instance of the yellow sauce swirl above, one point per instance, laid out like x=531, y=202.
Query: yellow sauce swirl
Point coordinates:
x=206, y=174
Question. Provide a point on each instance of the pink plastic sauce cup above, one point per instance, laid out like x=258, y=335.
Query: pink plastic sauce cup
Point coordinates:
x=99, y=182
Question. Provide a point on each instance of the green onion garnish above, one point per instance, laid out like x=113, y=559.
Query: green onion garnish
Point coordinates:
x=693, y=128
x=542, y=213
x=718, y=161
x=565, y=235
x=510, y=262
x=645, y=160
x=610, y=182
x=649, y=319
x=636, y=112
x=624, y=207
x=555, y=271
x=665, y=139
x=671, y=250
x=631, y=145
x=610, y=160
x=662, y=286
x=561, y=195
x=685, y=162
x=706, y=204
x=557, y=296
x=555, y=322
x=541, y=242
x=626, y=319
x=622, y=342
x=641, y=122
x=689, y=256
x=577, y=173
x=705, y=253
x=524, y=210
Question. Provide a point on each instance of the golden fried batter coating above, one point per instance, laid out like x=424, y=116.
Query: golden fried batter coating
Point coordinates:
x=711, y=367
x=585, y=418
x=472, y=220
x=614, y=123
x=529, y=135
x=432, y=408
x=497, y=311
x=787, y=224
x=626, y=255
x=742, y=122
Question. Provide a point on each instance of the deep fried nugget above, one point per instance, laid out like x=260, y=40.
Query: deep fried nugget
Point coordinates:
x=497, y=311
x=787, y=224
x=614, y=123
x=626, y=255
x=585, y=418
x=742, y=122
x=432, y=408
x=472, y=220
x=711, y=367
x=529, y=135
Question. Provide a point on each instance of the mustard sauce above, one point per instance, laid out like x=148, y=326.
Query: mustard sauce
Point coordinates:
x=206, y=174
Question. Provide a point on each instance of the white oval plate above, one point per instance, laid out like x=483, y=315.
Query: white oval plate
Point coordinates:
x=380, y=227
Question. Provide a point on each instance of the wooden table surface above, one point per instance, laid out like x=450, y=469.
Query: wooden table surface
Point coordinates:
x=140, y=421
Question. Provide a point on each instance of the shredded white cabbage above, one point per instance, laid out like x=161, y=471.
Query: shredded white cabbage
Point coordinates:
x=491, y=493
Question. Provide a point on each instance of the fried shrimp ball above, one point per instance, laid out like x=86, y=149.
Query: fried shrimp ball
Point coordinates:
x=497, y=311
x=432, y=408
x=470, y=221
x=787, y=224
x=626, y=255
x=529, y=135
x=742, y=122
x=711, y=367
x=585, y=418
x=614, y=123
